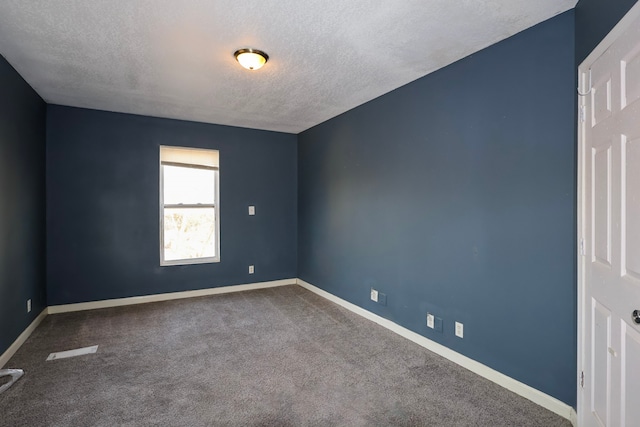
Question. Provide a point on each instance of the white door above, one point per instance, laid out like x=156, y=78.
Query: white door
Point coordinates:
x=609, y=222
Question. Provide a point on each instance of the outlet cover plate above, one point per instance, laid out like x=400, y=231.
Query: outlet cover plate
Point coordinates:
x=431, y=320
x=437, y=324
x=374, y=295
x=382, y=298
x=459, y=330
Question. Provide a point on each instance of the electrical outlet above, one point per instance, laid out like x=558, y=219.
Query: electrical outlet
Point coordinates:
x=252, y=210
x=374, y=295
x=437, y=324
x=29, y=305
x=434, y=322
x=251, y=269
x=459, y=330
x=431, y=320
x=382, y=298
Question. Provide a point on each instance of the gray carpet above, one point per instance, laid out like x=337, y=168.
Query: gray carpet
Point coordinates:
x=273, y=357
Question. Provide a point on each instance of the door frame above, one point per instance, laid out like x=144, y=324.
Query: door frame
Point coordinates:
x=584, y=86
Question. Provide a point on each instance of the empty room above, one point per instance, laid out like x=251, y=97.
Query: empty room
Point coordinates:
x=250, y=213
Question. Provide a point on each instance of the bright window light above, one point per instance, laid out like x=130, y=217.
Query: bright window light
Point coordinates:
x=189, y=224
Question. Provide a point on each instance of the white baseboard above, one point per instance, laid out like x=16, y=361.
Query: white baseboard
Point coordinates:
x=573, y=417
x=66, y=308
x=4, y=358
x=536, y=396
x=118, y=302
x=528, y=392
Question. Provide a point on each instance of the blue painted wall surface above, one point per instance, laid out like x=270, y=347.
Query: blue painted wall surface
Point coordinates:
x=455, y=194
x=594, y=20
x=22, y=204
x=102, y=205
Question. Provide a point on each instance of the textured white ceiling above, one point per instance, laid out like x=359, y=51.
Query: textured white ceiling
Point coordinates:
x=170, y=58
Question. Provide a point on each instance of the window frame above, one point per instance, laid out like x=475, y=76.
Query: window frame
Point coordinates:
x=215, y=206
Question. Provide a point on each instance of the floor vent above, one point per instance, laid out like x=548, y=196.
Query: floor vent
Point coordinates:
x=72, y=353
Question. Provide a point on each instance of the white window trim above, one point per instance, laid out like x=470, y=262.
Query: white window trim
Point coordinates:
x=189, y=261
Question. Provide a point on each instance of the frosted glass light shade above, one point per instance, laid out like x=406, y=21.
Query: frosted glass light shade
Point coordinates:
x=251, y=59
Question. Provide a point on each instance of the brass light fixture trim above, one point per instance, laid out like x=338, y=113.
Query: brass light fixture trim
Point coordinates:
x=251, y=59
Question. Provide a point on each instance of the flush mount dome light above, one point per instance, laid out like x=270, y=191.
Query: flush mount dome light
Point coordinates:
x=251, y=59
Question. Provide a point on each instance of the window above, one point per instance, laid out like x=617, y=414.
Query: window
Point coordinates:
x=189, y=207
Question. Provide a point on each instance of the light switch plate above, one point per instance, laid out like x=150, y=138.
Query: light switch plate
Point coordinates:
x=252, y=210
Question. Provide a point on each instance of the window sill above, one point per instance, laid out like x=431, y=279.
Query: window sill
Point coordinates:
x=189, y=261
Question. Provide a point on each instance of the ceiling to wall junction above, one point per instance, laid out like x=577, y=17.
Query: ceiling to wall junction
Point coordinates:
x=174, y=59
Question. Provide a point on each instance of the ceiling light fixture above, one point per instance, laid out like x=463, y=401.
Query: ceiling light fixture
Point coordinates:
x=251, y=59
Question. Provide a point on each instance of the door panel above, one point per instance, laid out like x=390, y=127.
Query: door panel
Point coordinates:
x=630, y=69
x=610, y=224
x=602, y=204
x=631, y=210
x=630, y=385
x=601, y=367
x=601, y=100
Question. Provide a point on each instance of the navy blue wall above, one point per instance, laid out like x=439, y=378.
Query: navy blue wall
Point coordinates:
x=455, y=194
x=22, y=208
x=102, y=205
x=594, y=20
